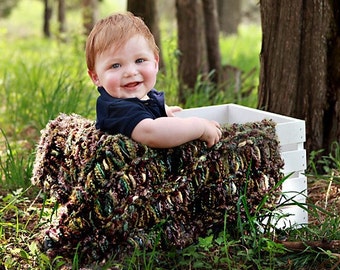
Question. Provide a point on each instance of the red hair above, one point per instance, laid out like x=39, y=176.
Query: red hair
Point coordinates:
x=115, y=30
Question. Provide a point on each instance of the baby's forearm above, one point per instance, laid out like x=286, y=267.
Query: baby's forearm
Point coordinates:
x=167, y=132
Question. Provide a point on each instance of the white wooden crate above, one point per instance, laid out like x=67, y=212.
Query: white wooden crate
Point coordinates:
x=291, y=134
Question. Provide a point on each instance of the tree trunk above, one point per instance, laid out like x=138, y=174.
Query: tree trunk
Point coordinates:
x=191, y=45
x=90, y=15
x=47, y=18
x=147, y=10
x=229, y=15
x=300, y=65
x=61, y=16
x=212, y=38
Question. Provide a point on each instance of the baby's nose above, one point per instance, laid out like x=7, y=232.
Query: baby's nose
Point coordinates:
x=131, y=70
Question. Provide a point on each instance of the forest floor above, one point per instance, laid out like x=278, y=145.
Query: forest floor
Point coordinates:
x=25, y=212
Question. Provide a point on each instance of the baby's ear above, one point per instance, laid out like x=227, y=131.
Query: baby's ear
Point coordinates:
x=94, y=77
x=157, y=61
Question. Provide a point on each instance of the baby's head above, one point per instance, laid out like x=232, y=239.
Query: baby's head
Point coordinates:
x=115, y=30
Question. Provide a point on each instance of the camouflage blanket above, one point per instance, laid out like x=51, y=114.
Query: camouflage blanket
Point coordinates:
x=116, y=194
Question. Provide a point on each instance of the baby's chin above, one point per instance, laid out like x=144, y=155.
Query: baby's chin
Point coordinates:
x=134, y=96
x=142, y=95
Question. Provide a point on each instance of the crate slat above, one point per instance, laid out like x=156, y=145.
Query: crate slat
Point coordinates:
x=294, y=161
x=294, y=189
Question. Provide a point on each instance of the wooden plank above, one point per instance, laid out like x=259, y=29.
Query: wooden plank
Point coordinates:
x=294, y=161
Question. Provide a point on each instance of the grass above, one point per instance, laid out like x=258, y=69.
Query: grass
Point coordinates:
x=40, y=78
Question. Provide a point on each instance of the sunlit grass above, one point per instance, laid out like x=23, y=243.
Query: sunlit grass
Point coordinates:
x=25, y=20
x=38, y=80
x=242, y=50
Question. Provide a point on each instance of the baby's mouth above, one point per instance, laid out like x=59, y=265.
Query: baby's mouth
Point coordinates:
x=132, y=84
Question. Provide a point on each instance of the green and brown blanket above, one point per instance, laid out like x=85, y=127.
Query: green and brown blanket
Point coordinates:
x=117, y=194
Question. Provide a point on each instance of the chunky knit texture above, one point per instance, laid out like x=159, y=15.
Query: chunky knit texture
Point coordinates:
x=116, y=194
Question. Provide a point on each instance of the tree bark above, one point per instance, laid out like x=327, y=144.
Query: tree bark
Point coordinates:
x=212, y=38
x=147, y=10
x=229, y=15
x=191, y=45
x=47, y=18
x=300, y=65
x=90, y=15
x=62, y=16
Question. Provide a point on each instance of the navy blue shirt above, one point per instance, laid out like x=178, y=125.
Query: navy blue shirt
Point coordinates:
x=121, y=115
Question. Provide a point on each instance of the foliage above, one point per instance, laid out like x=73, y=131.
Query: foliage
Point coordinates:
x=326, y=164
x=20, y=219
x=15, y=165
x=249, y=245
x=235, y=49
x=37, y=90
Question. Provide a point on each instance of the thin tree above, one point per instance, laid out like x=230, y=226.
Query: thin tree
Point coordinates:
x=300, y=65
x=191, y=44
x=47, y=18
x=212, y=38
x=229, y=15
x=62, y=16
x=90, y=14
x=198, y=44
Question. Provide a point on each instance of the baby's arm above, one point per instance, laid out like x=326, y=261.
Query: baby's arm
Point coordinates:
x=167, y=132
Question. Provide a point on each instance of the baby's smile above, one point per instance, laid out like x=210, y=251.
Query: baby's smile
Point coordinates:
x=132, y=84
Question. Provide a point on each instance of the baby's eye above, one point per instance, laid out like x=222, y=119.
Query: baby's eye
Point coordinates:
x=116, y=65
x=140, y=60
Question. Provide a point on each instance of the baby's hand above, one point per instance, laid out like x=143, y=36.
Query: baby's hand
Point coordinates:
x=212, y=133
x=170, y=110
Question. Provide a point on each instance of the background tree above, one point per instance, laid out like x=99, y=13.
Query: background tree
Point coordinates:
x=197, y=25
x=62, y=15
x=90, y=15
x=300, y=65
x=192, y=58
x=212, y=31
x=229, y=15
x=47, y=18
x=148, y=11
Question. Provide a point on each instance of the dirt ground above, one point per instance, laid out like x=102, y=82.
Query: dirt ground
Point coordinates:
x=324, y=193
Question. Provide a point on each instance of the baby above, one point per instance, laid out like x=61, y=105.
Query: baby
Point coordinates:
x=122, y=60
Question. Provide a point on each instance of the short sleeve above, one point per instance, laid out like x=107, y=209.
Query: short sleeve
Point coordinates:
x=116, y=116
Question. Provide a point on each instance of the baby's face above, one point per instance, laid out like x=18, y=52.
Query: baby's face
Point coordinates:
x=127, y=72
